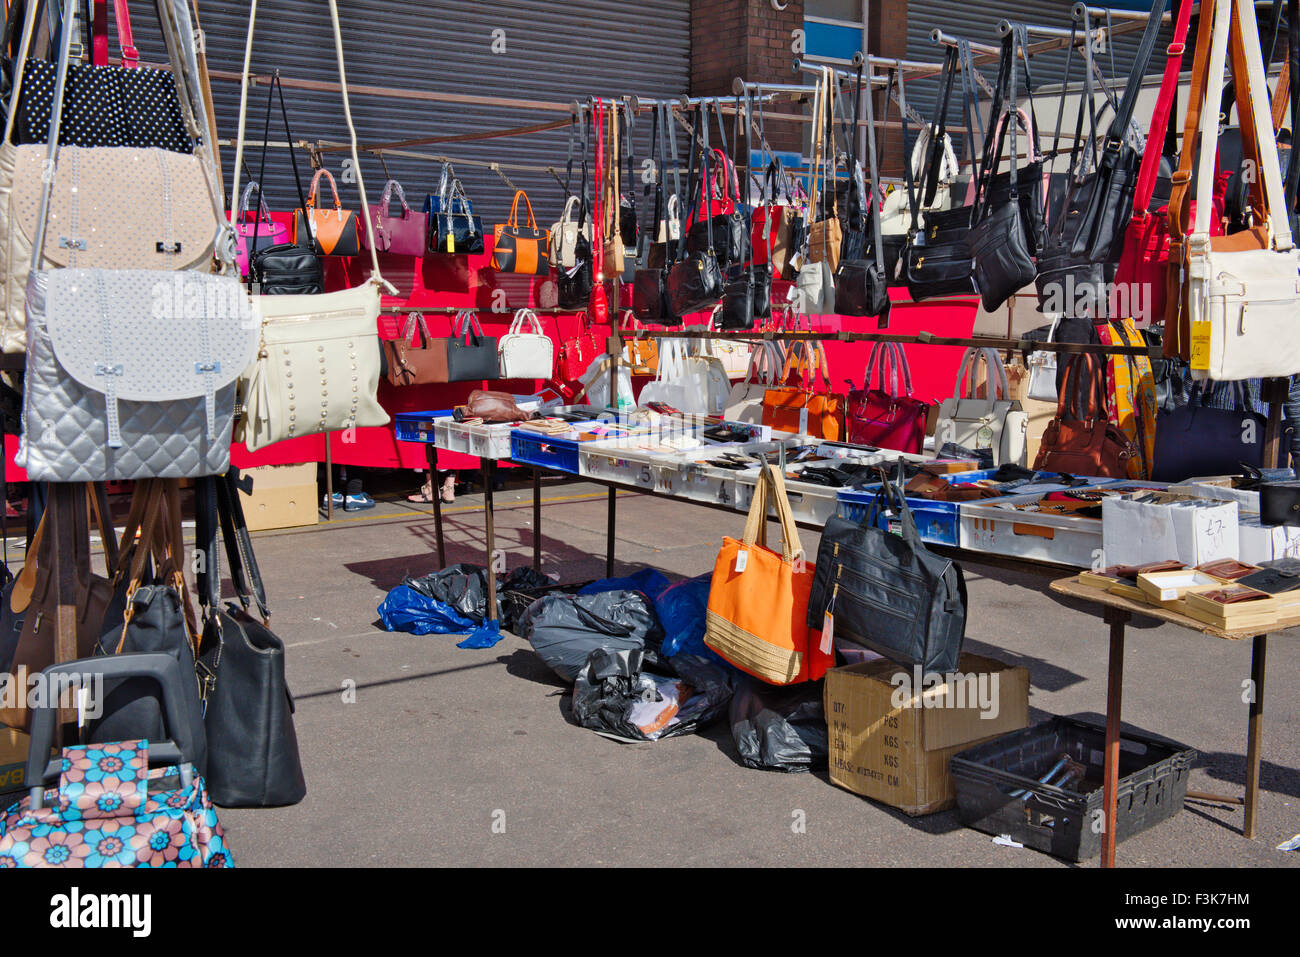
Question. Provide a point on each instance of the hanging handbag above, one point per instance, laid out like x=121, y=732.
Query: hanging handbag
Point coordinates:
x=650, y=279
x=883, y=590
x=334, y=230
x=525, y=354
x=692, y=384
x=1195, y=440
x=1042, y=370
x=410, y=364
x=1243, y=290
x=132, y=817
x=695, y=281
x=1001, y=239
x=1081, y=439
x=259, y=233
x=252, y=747
x=758, y=599
x=937, y=258
x=121, y=106
x=521, y=249
x=880, y=415
x=745, y=401
x=641, y=355
x=862, y=285
x=564, y=236
x=471, y=356
x=801, y=408
x=402, y=235
x=577, y=352
x=1101, y=230
x=454, y=230
x=773, y=220
x=995, y=423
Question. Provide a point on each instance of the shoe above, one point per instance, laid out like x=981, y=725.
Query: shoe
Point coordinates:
x=338, y=500
x=449, y=489
x=356, y=501
x=425, y=495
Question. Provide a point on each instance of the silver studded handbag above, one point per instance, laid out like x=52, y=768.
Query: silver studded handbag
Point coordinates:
x=317, y=367
x=131, y=373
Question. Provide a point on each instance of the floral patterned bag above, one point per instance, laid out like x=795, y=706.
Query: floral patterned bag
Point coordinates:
x=110, y=810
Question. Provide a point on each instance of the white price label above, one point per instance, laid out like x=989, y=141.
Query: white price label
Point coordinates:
x=742, y=561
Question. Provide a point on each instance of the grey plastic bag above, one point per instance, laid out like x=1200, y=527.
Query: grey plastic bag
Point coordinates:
x=780, y=729
x=615, y=696
x=565, y=629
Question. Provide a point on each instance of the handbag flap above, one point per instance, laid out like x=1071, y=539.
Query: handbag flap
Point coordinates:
x=114, y=205
x=157, y=338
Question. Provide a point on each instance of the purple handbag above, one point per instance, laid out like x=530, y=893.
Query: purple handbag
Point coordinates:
x=402, y=235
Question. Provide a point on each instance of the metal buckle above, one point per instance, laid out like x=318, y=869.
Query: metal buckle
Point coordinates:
x=163, y=247
x=1176, y=49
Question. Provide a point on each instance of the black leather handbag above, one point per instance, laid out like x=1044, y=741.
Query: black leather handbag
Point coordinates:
x=1279, y=503
x=695, y=283
x=650, y=282
x=574, y=285
x=888, y=592
x=456, y=230
x=1110, y=207
x=1195, y=440
x=861, y=285
x=936, y=259
x=748, y=299
x=471, y=356
x=253, y=758
x=286, y=269
x=1000, y=241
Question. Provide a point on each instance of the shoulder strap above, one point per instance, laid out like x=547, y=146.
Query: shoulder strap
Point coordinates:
x=1150, y=169
x=1124, y=112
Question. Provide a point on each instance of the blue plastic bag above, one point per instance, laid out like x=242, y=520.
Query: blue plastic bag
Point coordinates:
x=681, y=609
x=484, y=636
x=405, y=609
x=649, y=581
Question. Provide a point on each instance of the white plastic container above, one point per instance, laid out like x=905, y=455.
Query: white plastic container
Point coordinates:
x=490, y=441
x=997, y=527
x=451, y=435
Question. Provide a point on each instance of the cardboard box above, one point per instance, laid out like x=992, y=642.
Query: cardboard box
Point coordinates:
x=891, y=741
x=1167, y=525
x=1265, y=543
x=284, y=496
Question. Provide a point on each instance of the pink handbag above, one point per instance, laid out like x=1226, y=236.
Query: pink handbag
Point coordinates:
x=255, y=228
x=880, y=416
x=403, y=235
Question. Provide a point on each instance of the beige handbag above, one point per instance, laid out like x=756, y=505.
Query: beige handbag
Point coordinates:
x=317, y=368
x=564, y=236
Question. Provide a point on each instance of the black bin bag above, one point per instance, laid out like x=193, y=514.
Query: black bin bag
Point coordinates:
x=780, y=728
x=565, y=629
x=619, y=696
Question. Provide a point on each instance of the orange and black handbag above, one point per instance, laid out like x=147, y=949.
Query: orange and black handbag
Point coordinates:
x=335, y=230
x=522, y=249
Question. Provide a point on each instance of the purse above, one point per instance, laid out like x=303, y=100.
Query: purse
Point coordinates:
x=1042, y=370
x=1194, y=440
x=885, y=591
x=248, y=709
x=800, y=408
x=862, y=285
x=1081, y=439
x=521, y=249
x=259, y=234
x=403, y=235
x=525, y=355
x=409, y=364
x=577, y=352
x=471, y=356
x=564, y=236
x=879, y=415
x=134, y=817
x=695, y=281
x=1001, y=239
x=454, y=230
x=1228, y=277
x=330, y=340
x=745, y=401
x=641, y=355
x=334, y=230
x=996, y=423
x=756, y=617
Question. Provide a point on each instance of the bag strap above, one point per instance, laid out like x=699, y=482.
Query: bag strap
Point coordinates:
x=672, y=248
x=466, y=326
x=1179, y=200
x=1150, y=168
x=771, y=486
x=1293, y=79
x=869, y=201
x=1119, y=127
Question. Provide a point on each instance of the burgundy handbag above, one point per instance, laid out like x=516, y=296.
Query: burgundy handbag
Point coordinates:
x=878, y=415
x=1081, y=439
x=402, y=235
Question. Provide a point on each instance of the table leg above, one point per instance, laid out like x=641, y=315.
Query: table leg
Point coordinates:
x=432, y=454
x=609, y=534
x=537, y=521
x=1114, y=694
x=329, y=480
x=489, y=524
x=1258, y=654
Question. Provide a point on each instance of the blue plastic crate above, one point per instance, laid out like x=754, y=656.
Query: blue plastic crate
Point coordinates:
x=417, y=426
x=532, y=448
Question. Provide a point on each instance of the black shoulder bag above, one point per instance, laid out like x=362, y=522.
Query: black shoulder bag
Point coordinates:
x=1029, y=187
x=253, y=756
x=937, y=259
x=695, y=281
x=1000, y=241
x=574, y=285
x=861, y=285
x=749, y=297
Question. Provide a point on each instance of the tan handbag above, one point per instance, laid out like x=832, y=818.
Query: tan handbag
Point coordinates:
x=615, y=255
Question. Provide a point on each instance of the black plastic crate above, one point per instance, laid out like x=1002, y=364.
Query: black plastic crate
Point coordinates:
x=998, y=789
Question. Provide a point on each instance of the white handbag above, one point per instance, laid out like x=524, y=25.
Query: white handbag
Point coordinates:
x=1042, y=370
x=564, y=237
x=996, y=423
x=526, y=355
x=1243, y=303
x=595, y=385
x=696, y=384
x=745, y=403
x=814, y=290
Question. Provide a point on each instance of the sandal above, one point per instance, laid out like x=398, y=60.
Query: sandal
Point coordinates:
x=425, y=495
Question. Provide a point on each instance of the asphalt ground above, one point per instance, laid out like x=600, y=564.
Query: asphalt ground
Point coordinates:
x=444, y=756
x=419, y=753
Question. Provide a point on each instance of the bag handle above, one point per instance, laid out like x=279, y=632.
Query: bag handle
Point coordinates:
x=415, y=320
x=466, y=328
x=528, y=316
x=263, y=213
x=892, y=496
x=771, y=484
x=390, y=187
x=1150, y=168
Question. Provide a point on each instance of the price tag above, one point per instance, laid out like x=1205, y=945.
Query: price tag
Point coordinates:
x=828, y=632
x=803, y=420
x=742, y=561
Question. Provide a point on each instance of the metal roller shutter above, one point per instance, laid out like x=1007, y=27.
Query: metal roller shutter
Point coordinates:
x=552, y=52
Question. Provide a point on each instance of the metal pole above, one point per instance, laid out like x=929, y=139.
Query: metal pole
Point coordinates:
x=1114, y=695
x=609, y=533
x=1255, y=732
x=431, y=452
x=490, y=538
x=537, y=520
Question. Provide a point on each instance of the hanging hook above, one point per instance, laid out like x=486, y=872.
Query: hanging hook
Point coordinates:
x=496, y=168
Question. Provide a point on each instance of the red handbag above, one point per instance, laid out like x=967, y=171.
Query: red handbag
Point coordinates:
x=880, y=416
x=403, y=235
x=576, y=353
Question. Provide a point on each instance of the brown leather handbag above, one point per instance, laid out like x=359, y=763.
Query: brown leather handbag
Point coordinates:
x=493, y=406
x=411, y=364
x=1081, y=440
